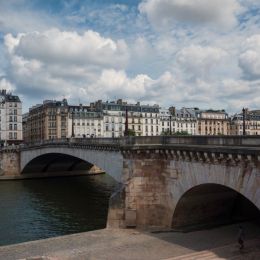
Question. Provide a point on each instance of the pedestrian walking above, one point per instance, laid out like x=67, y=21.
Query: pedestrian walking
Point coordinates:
x=241, y=237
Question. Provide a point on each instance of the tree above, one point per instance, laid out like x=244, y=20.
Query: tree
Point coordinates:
x=167, y=133
x=131, y=132
x=181, y=133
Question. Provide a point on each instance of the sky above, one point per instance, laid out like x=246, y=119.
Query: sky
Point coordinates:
x=192, y=53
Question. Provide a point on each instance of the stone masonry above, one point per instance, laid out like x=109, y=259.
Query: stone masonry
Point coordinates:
x=156, y=179
x=9, y=163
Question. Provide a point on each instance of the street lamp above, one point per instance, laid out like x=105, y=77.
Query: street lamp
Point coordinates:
x=170, y=124
x=72, y=129
x=126, y=122
x=244, y=121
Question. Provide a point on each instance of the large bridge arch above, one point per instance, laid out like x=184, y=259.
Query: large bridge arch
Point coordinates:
x=221, y=181
x=157, y=179
x=100, y=158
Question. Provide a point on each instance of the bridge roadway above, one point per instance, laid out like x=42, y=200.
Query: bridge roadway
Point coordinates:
x=164, y=179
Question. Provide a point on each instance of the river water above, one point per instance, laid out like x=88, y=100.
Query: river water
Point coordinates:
x=43, y=208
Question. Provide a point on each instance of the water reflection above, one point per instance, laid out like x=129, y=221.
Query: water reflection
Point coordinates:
x=42, y=208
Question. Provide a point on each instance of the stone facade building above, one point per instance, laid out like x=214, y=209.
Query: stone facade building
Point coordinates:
x=252, y=123
x=47, y=121
x=84, y=123
x=58, y=119
x=185, y=120
x=212, y=122
x=178, y=121
x=143, y=120
x=11, y=131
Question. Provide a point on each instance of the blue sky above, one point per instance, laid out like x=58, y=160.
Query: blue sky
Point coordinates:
x=172, y=52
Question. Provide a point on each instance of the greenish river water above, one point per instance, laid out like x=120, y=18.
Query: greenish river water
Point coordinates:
x=43, y=208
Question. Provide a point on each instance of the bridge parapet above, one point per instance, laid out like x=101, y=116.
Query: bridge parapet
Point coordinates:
x=206, y=141
x=192, y=140
x=91, y=143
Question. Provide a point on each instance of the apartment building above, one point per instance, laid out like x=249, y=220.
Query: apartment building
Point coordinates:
x=212, y=122
x=83, y=123
x=184, y=120
x=143, y=120
x=252, y=123
x=46, y=121
x=11, y=131
x=150, y=119
x=178, y=120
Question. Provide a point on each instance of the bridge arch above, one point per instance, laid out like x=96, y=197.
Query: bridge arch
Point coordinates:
x=100, y=158
x=210, y=204
x=52, y=162
x=226, y=184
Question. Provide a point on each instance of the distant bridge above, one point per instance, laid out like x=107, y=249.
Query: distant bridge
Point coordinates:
x=166, y=181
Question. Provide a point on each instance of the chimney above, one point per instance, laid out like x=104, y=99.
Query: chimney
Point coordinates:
x=119, y=101
x=172, y=110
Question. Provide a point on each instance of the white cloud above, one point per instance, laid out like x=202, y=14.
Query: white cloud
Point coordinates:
x=198, y=61
x=5, y=84
x=164, y=13
x=62, y=47
x=193, y=64
x=249, y=60
x=58, y=63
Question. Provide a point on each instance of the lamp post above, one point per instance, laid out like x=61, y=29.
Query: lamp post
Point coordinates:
x=126, y=122
x=72, y=126
x=244, y=121
x=170, y=124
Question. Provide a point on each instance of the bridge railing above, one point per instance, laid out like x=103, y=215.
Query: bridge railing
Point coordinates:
x=253, y=141
x=73, y=142
x=192, y=140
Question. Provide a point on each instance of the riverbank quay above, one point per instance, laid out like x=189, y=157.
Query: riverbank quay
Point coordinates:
x=42, y=175
x=136, y=244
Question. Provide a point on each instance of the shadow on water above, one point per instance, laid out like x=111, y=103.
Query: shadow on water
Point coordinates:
x=42, y=208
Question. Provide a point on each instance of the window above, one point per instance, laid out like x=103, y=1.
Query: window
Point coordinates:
x=10, y=127
x=15, y=135
x=10, y=135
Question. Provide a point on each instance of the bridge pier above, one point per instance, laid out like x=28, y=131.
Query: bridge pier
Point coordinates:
x=9, y=163
x=145, y=201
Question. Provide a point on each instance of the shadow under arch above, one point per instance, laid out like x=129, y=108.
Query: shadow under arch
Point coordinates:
x=209, y=205
x=56, y=162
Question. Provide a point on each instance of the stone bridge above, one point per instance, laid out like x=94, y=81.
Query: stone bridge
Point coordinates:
x=167, y=182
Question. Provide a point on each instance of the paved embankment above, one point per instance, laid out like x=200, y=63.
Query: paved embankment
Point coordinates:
x=133, y=244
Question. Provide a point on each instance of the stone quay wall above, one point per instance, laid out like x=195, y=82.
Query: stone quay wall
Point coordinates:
x=9, y=163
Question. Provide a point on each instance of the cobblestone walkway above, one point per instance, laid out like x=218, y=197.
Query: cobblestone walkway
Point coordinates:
x=219, y=243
